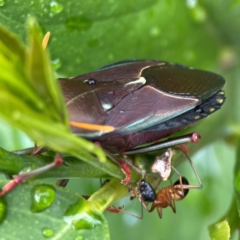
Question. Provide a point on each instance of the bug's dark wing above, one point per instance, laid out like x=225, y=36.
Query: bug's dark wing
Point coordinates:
x=90, y=96
x=170, y=91
x=145, y=108
x=179, y=80
x=82, y=102
x=136, y=95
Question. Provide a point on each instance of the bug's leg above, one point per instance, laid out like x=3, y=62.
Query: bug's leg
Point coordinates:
x=113, y=209
x=159, y=210
x=173, y=206
x=37, y=150
x=106, y=129
x=179, y=177
x=123, y=165
x=30, y=151
x=18, y=179
x=192, y=137
x=194, y=170
x=126, y=170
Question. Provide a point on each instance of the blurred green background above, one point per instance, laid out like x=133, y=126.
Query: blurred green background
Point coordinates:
x=86, y=35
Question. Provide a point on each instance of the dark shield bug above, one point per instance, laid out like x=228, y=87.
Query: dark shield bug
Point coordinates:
x=144, y=101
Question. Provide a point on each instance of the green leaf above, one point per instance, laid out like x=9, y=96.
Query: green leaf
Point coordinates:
x=41, y=76
x=12, y=164
x=31, y=100
x=20, y=223
x=220, y=231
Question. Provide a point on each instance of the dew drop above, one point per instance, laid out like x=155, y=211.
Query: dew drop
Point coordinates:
x=26, y=170
x=3, y=209
x=80, y=216
x=56, y=63
x=47, y=232
x=55, y=7
x=121, y=111
x=2, y=3
x=42, y=197
x=111, y=92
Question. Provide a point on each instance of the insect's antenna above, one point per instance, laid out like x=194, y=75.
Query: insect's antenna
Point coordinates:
x=45, y=40
x=194, y=170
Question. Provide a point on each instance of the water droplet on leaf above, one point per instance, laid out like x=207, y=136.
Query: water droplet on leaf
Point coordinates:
x=81, y=216
x=56, y=63
x=42, y=197
x=55, y=7
x=48, y=232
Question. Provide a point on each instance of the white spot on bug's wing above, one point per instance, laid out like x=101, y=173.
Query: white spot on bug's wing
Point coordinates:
x=107, y=106
x=163, y=164
x=141, y=80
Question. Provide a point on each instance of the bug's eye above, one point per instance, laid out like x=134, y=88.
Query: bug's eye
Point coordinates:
x=91, y=82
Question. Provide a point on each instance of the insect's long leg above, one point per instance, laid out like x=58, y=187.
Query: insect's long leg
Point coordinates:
x=123, y=165
x=120, y=209
x=29, y=151
x=192, y=137
x=195, y=172
x=18, y=179
x=179, y=177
